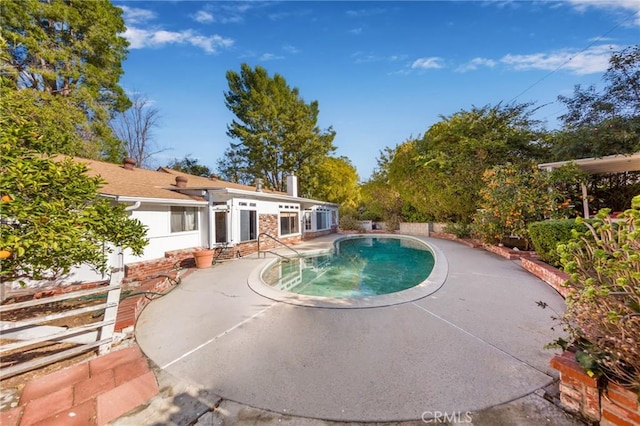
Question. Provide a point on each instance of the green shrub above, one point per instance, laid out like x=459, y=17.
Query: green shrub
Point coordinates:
x=546, y=235
x=460, y=230
x=603, y=306
x=350, y=223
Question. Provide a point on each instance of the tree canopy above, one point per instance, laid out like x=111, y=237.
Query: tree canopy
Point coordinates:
x=440, y=174
x=276, y=130
x=607, y=122
x=191, y=166
x=65, y=58
x=52, y=217
x=335, y=180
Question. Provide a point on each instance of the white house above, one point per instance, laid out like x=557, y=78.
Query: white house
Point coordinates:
x=184, y=212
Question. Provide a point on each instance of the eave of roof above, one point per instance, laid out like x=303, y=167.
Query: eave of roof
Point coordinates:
x=271, y=196
x=159, y=186
x=608, y=164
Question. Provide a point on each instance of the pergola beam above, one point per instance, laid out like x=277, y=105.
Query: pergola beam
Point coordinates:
x=608, y=164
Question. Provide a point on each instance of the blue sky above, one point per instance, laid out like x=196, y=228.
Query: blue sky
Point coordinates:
x=381, y=71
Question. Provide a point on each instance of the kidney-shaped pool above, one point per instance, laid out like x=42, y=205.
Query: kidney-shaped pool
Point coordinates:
x=361, y=271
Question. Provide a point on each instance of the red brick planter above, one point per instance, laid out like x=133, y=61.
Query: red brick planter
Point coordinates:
x=619, y=406
x=609, y=403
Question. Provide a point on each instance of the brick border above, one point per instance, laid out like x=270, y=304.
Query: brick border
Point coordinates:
x=547, y=273
x=594, y=398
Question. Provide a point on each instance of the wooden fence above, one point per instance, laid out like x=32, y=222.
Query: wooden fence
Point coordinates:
x=31, y=331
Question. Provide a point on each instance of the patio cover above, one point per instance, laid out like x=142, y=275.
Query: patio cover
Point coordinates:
x=608, y=164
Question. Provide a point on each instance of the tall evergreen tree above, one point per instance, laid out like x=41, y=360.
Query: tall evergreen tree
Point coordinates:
x=276, y=129
x=63, y=57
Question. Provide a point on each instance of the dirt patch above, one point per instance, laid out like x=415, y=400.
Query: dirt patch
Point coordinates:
x=11, y=387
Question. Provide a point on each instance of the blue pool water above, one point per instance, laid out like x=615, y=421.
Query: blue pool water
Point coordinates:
x=358, y=267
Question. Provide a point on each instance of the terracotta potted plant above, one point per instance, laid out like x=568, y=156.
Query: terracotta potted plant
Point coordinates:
x=204, y=258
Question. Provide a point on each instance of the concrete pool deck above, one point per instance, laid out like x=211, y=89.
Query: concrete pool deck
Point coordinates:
x=475, y=343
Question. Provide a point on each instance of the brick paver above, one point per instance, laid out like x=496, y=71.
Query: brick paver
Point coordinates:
x=11, y=417
x=130, y=370
x=78, y=415
x=114, y=359
x=54, y=381
x=41, y=408
x=87, y=394
x=126, y=397
x=97, y=384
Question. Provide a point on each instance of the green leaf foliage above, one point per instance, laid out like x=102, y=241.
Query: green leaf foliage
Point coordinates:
x=65, y=58
x=441, y=174
x=276, y=130
x=514, y=196
x=604, y=122
x=603, y=307
x=52, y=217
x=335, y=180
x=547, y=235
x=191, y=166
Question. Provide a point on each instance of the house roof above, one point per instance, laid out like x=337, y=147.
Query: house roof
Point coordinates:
x=160, y=185
x=608, y=164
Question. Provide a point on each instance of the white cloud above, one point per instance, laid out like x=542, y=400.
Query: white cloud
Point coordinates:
x=475, y=63
x=366, y=58
x=360, y=13
x=356, y=31
x=590, y=61
x=134, y=15
x=626, y=6
x=203, y=17
x=427, y=63
x=140, y=38
x=270, y=57
x=290, y=49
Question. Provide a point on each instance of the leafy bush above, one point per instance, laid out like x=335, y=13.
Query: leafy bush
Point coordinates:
x=515, y=196
x=603, y=307
x=460, y=230
x=350, y=223
x=53, y=217
x=546, y=235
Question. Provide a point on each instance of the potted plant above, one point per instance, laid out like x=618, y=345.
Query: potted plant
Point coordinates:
x=203, y=258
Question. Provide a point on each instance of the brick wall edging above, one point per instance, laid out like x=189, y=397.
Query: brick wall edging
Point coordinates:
x=594, y=398
x=547, y=273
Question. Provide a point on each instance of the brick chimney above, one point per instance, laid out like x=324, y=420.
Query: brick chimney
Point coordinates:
x=128, y=163
x=181, y=181
x=258, y=185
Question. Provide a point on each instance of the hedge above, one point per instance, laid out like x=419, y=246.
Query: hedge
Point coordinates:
x=545, y=237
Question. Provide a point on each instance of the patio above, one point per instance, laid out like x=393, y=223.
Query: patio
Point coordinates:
x=475, y=343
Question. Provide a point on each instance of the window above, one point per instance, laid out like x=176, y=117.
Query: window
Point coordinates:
x=307, y=221
x=221, y=227
x=288, y=223
x=248, y=225
x=322, y=219
x=184, y=219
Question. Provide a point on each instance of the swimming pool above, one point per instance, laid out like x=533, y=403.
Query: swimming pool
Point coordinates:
x=361, y=271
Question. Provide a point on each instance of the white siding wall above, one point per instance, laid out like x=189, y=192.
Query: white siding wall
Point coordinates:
x=158, y=221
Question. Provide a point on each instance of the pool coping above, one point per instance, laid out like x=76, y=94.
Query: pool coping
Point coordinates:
x=433, y=283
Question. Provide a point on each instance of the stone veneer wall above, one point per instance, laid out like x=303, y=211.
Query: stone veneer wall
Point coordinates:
x=414, y=228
